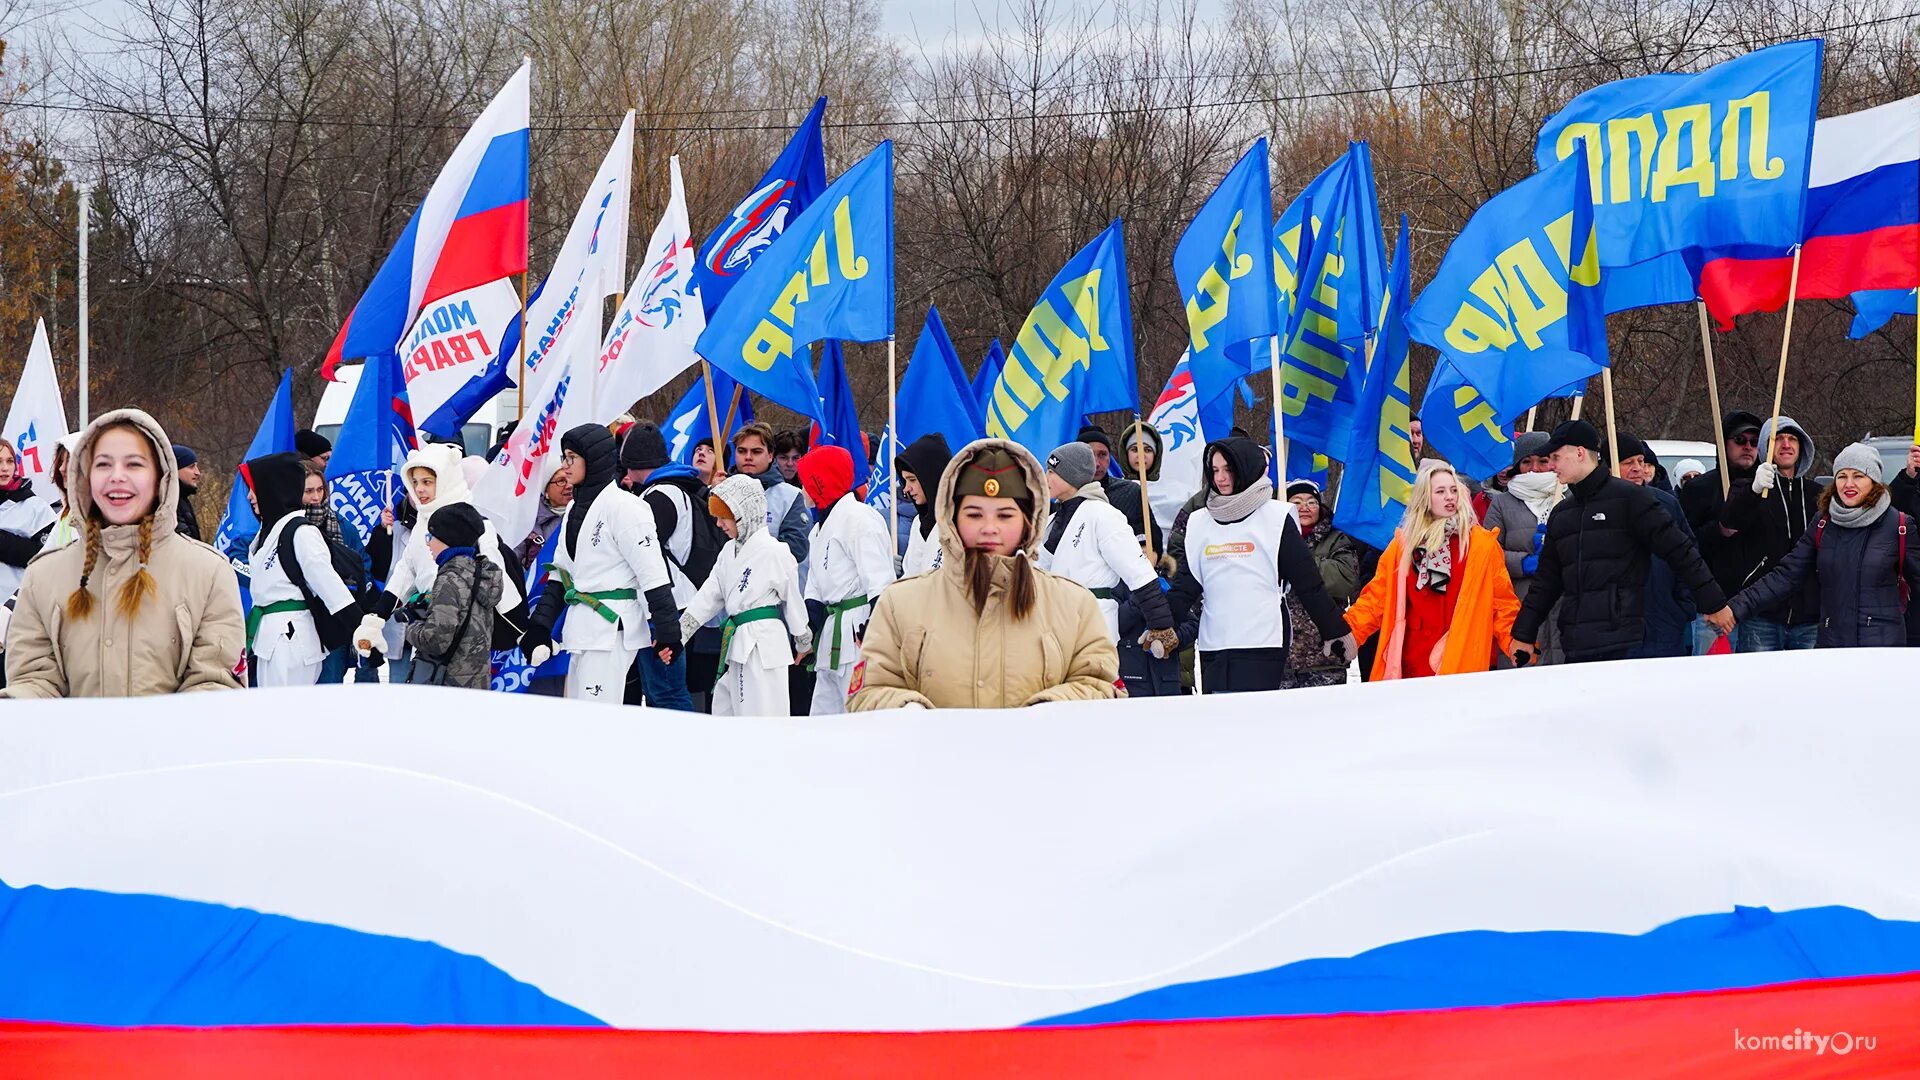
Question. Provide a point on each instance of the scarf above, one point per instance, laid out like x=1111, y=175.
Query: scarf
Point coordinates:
x=1227, y=509
x=1434, y=569
x=1858, y=517
x=1540, y=491
x=454, y=553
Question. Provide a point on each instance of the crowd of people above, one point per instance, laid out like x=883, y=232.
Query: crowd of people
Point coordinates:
x=760, y=582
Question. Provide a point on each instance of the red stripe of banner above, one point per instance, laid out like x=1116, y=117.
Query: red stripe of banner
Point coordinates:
x=1721, y=1034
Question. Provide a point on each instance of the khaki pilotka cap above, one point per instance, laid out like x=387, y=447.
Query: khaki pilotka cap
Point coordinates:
x=994, y=473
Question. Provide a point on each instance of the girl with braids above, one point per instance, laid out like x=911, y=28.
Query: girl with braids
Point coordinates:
x=131, y=607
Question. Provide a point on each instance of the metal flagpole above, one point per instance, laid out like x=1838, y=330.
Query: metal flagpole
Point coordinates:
x=1786, y=339
x=86, y=222
x=1713, y=398
x=520, y=389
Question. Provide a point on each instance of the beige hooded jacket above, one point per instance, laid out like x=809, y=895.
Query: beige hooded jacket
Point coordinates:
x=186, y=636
x=925, y=646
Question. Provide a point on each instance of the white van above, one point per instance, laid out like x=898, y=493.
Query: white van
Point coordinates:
x=478, y=435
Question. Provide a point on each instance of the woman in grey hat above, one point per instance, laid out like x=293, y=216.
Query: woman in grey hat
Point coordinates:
x=1519, y=515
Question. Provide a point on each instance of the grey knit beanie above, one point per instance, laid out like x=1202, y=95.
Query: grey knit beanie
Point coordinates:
x=1074, y=462
x=1863, y=458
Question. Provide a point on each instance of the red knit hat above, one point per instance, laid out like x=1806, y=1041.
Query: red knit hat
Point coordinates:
x=826, y=474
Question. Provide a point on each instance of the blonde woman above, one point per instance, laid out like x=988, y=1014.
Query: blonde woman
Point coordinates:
x=131, y=607
x=1441, y=599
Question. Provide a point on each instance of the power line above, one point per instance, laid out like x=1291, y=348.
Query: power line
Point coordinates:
x=579, y=122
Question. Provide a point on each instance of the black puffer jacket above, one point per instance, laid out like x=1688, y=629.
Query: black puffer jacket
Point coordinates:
x=1601, y=540
x=1857, y=572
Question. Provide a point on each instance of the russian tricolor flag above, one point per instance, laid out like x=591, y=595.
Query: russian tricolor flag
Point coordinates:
x=1862, y=228
x=470, y=229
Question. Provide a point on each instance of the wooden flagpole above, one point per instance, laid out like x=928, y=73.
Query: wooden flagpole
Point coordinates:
x=1713, y=398
x=706, y=376
x=1613, y=430
x=1279, y=427
x=1786, y=339
x=1146, y=511
x=1531, y=413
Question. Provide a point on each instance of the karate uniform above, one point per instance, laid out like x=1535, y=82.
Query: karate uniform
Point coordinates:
x=285, y=643
x=850, y=559
x=758, y=579
x=612, y=564
x=1097, y=549
x=923, y=552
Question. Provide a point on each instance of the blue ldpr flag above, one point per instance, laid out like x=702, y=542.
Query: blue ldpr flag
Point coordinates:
x=1225, y=271
x=1871, y=310
x=373, y=441
x=1688, y=166
x=1074, y=355
x=880, y=473
x=829, y=275
x=792, y=183
x=1379, y=475
x=991, y=366
x=1330, y=267
x=934, y=393
x=239, y=524
x=842, y=419
x=1516, y=305
x=687, y=424
x=1458, y=422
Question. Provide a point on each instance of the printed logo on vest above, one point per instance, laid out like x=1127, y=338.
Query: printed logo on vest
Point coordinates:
x=1235, y=550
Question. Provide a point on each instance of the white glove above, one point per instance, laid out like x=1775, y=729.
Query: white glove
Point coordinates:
x=371, y=634
x=687, y=627
x=1342, y=649
x=541, y=654
x=803, y=643
x=1764, y=477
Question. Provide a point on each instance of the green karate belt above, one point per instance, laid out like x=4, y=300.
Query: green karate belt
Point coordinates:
x=734, y=622
x=595, y=602
x=278, y=607
x=837, y=612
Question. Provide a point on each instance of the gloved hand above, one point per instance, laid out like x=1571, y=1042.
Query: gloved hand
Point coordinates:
x=802, y=645
x=537, y=644
x=1764, y=477
x=688, y=627
x=1343, y=648
x=1160, y=644
x=370, y=634
x=1522, y=654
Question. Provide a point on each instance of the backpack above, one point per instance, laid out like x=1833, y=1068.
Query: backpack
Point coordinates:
x=333, y=633
x=705, y=539
x=1899, y=560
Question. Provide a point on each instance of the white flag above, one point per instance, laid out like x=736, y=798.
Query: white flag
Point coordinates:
x=563, y=327
x=1176, y=416
x=37, y=420
x=655, y=329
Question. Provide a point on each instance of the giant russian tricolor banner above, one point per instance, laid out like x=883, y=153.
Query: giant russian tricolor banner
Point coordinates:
x=1504, y=873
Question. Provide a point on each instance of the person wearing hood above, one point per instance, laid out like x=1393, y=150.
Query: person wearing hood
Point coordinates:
x=1338, y=557
x=920, y=466
x=1441, y=600
x=1734, y=556
x=1774, y=510
x=1123, y=493
x=753, y=455
x=1518, y=515
x=66, y=525
x=608, y=563
x=132, y=607
x=852, y=559
x=301, y=606
x=1243, y=551
x=434, y=475
x=755, y=584
x=189, y=463
x=1600, y=541
x=1862, y=552
x=456, y=628
x=1684, y=472
x=1090, y=542
x=988, y=629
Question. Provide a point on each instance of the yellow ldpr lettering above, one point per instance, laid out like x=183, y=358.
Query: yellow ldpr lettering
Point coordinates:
x=1589, y=134
x=853, y=266
x=1535, y=297
x=1068, y=349
x=1475, y=412
x=1697, y=123
x=767, y=345
x=1622, y=133
x=817, y=274
x=1238, y=266
x=1759, y=106
x=794, y=293
x=1084, y=293
x=1476, y=329
x=1560, y=235
x=1203, y=317
x=1298, y=384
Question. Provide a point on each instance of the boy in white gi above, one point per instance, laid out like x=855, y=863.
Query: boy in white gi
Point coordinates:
x=284, y=628
x=756, y=583
x=850, y=559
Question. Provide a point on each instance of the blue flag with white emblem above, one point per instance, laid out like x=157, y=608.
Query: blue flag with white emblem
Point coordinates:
x=373, y=441
x=1683, y=166
x=1074, y=355
x=1225, y=273
x=792, y=183
x=1379, y=474
x=1516, y=305
x=829, y=275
